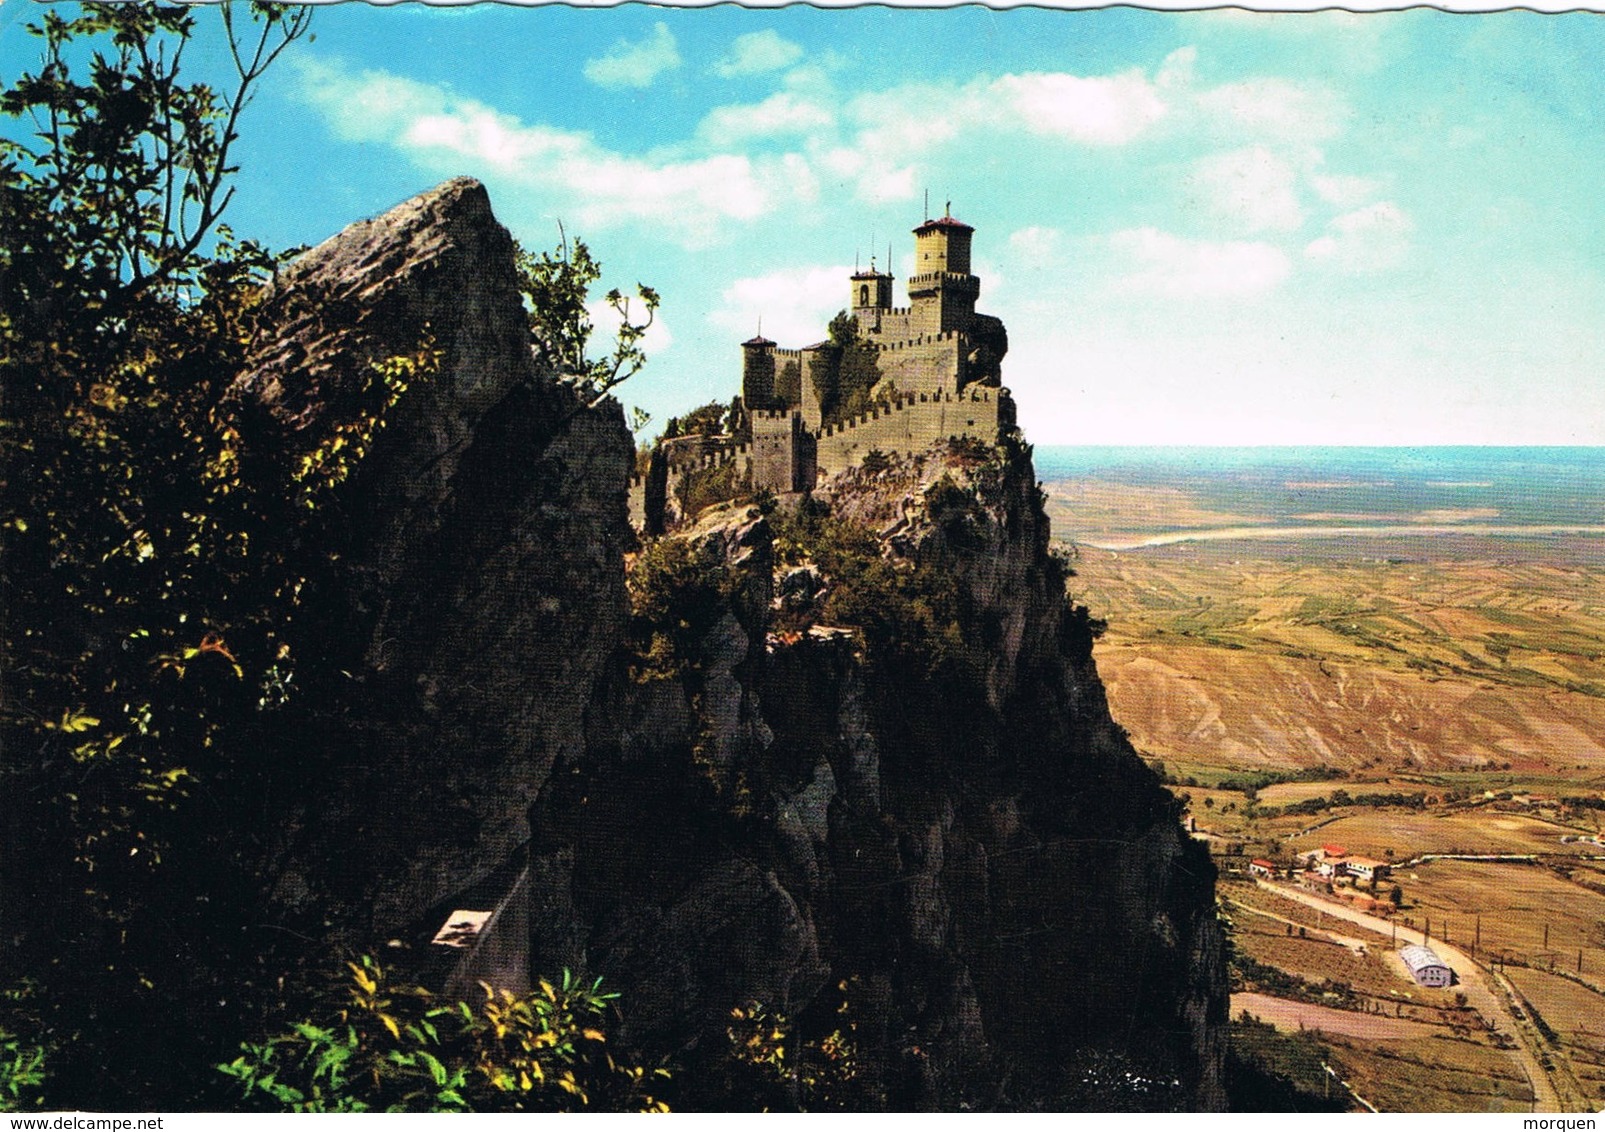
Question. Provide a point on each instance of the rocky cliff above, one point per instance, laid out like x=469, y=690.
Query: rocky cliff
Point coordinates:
x=848, y=773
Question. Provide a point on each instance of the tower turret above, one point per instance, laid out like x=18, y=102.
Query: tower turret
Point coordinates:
x=942, y=291
x=758, y=372
x=871, y=294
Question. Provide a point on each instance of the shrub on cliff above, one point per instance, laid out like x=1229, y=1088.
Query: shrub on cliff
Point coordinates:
x=556, y=287
x=913, y=617
x=678, y=589
x=145, y=587
x=396, y=1049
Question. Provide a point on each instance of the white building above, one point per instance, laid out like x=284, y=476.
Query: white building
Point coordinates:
x=1426, y=967
x=1365, y=868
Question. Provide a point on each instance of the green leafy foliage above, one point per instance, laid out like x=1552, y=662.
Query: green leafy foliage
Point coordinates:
x=857, y=371
x=171, y=669
x=704, y=487
x=912, y=616
x=23, y=1060
x=678, y=589
x=127, y=174
x=788, y=383
x=157, y=565
x=556, y=286
x=716, y=418
x=22, y=1074
x=777, y=1063
x=395, y=1049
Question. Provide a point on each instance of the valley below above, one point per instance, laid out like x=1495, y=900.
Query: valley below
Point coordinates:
x=1363, y=663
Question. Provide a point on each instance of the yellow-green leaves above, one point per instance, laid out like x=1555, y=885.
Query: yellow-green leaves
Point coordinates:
x=321, y=469
x=396, y=1050
x=75, y=720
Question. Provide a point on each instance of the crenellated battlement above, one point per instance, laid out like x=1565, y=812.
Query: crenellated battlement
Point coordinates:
x=952, y=278
x=905, y=402
x=919, y=340
x=913, y=422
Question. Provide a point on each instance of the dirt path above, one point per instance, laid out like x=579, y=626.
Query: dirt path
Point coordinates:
x=1285, y=1014
x=1357, y=946
x=1480, y=994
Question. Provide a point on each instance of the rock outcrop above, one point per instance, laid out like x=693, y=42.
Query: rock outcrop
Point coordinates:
x=935, y=845
x=479, y=587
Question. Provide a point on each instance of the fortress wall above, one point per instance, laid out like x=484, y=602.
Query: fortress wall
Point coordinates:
x=897, y=324
x=924, y=363
x=697, y=452
x=911, y=424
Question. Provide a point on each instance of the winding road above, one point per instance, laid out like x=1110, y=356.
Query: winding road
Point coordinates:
x=1474, y=981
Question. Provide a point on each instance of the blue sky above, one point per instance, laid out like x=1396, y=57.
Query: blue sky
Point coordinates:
x=1199, y=227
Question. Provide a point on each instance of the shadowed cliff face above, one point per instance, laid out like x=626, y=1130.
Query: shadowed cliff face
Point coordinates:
x=953, y=836
x=955, y=860
x=475, y=583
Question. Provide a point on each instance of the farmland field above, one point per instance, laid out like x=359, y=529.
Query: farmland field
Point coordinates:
x=1575, y=1015
x=1432, y=1074
x=1401, y=653
x=1408, y=833
x=1520, y=906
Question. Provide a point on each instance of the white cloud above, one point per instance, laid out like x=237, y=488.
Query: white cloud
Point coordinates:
x=1037, y=247
x=755, y=53
x=1177, y=69
x=780, y=113
x=1275, y=108
x=366, y=107
x=896, y=132
x=1369, y=239
x=1251, y=189
x=1095, y=111
x=795, y=305
x=477, y=131
x=689, y=199
x=878, y=147
x=1171, y=266
x=1345, y=191
x=635, y=64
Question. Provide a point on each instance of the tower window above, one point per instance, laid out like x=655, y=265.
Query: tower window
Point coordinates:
x=863, y=295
